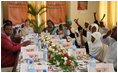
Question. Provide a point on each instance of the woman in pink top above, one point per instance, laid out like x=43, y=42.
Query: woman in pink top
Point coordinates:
x=8, y=47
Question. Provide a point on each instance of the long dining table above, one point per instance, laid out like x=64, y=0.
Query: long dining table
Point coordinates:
x=82, y=59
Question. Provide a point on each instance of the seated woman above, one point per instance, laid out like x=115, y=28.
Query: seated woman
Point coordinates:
x=68, y=30
x=4, y=22
x=92, y=28
x=9, y=49
x=61, y=30
x=50, y=28
x=26, y=29
x=79, y=40
x=95, y=47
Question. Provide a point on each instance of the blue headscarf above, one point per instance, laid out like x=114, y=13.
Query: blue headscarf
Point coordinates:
x=69, y=21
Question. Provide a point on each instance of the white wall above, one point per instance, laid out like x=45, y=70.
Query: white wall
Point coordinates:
x=72, y=12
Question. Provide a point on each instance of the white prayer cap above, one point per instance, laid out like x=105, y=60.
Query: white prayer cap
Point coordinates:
x=87, y=22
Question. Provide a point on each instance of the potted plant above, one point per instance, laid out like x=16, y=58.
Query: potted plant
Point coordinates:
x=35, y=12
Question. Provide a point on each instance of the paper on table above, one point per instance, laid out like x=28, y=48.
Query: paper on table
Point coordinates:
x=30, y=55
x=104, y=67
x=67, y=45
x=29, y=37
x=29, y=48
x=43, y=33
x=38, y=68
x=80, y=51
x=54, y=36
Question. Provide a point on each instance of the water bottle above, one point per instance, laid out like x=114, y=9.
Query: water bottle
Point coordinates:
x=39, y=44
x=60, y=42
x=45, y=54
x=74, y=50
x=44, y=70
x=29, y=31
x=55, y=34
x=30, y=68
x=46, y=32
x=36, y=38
x=92, y=64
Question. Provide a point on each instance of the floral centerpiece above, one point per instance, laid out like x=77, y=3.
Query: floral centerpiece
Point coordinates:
x=59, y=56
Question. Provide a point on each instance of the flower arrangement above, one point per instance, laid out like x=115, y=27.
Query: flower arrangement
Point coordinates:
x=58, y=55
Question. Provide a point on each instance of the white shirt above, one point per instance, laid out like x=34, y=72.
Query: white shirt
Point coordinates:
x=25, y=31
x=67, y=32
x=78, y=39
x=111, y=55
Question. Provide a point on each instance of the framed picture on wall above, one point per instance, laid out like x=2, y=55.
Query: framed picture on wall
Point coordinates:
x=82, y=5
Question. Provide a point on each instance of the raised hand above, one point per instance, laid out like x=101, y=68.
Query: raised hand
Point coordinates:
x=102, y=18
x=94, y=13
x=108, y=34
x=76, y=21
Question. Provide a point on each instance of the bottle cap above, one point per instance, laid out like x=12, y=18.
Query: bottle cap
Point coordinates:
x=39, y=39
x=45, y=46
x=60, y=37
x=92, y=57
x=73, y=43
x=31, y=62
x=44, y=70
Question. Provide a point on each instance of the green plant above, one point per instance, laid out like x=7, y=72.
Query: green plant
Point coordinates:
x=34, y=11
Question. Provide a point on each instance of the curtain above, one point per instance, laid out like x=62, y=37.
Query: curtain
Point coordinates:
x=110, y=9
x=17, y=11
x=56, y=11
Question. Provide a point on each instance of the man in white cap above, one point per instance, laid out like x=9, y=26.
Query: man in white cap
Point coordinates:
x=102, y=28
x=86, y=26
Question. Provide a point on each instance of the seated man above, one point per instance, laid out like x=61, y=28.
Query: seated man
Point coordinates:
x=111, y=40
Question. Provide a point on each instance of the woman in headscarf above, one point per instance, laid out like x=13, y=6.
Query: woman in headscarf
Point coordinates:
x=50, y=28
x=94, y=28
x=95, y=46
x=87, y=34
x=68, y=30
x=9, y=49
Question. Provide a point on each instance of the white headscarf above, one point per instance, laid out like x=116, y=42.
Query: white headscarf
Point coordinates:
x=97, y=42
x=92, y=25
x=90, y=32
x=96, y=46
